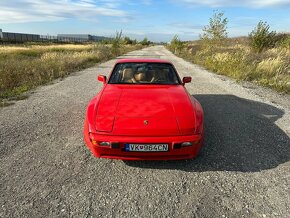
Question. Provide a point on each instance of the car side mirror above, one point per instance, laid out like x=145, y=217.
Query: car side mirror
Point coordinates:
x=102, y=78
x=186, y=79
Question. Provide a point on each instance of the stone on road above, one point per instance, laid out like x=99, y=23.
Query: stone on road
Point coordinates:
x=243, y=170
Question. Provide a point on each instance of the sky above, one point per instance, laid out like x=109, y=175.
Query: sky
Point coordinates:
x=156, y=20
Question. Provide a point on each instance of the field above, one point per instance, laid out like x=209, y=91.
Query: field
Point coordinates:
x=235, y=58
x=23, y=67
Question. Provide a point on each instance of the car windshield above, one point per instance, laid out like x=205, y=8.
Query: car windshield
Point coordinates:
x=144, y=73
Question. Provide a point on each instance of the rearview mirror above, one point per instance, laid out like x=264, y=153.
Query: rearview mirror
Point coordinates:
x=186, y=79
x=102, y=78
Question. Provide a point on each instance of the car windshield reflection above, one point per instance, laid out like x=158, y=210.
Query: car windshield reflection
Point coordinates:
x=144, y=73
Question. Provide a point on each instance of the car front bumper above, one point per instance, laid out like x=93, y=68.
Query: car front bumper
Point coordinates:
x=175, y=152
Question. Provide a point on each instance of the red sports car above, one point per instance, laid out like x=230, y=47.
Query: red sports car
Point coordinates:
x=144, y=112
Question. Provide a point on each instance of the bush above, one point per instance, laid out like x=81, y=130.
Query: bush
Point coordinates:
x=286, y=43
x=128, y=41
x=261, y=38
x=145, y=42
x=176, y=45
x=117, y=43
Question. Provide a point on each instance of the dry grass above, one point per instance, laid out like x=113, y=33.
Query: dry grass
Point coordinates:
x=25, y=67
x=235, y=58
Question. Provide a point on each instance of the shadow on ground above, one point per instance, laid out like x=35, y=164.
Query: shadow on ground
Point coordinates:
x=241, y=135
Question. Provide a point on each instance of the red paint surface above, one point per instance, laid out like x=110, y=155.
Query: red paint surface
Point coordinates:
x=118, y=112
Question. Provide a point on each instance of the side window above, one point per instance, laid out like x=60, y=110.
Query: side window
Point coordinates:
x=115, y=74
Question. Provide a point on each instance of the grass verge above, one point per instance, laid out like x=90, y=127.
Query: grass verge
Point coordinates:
x=24, y=67
x=235, y=58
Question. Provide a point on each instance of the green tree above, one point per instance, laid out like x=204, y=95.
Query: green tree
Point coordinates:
x=262, y=38
x=128, y=41
x=176, y=45
x=145, y=41
x=217, y=28
x=117, y=43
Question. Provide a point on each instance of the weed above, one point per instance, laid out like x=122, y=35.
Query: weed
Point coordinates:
x=235, y=58
x=27, y=66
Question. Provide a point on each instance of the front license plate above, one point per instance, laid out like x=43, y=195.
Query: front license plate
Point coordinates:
x=146, y=147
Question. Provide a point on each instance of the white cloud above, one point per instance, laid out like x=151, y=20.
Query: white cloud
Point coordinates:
x=232, y=3
x=18, y=11
x=147, y=2
x=186, y=26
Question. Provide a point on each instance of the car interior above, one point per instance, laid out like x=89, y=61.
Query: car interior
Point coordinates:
x=144, y=74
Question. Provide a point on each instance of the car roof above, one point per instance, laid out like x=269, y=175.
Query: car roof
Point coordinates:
x=143, y=60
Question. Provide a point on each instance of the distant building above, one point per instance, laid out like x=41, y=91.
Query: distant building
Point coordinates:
x=79, y=37
x=8, y=37
x=18, y=37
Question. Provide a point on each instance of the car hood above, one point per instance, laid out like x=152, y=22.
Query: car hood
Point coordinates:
x=151, y=110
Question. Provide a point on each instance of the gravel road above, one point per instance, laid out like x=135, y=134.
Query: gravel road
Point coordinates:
x=242, y=171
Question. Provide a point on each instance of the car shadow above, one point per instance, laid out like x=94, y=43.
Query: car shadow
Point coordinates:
x=240, y=135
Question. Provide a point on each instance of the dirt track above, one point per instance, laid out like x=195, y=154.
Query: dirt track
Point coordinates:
x=243, y=170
